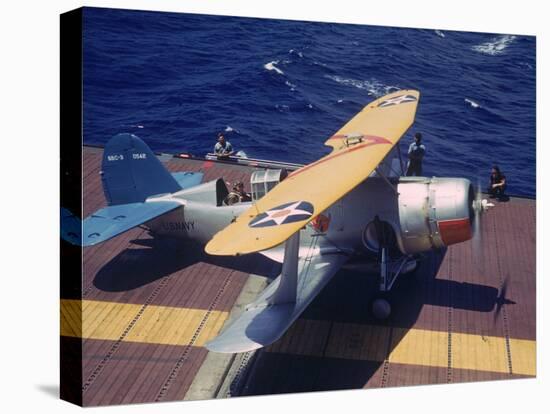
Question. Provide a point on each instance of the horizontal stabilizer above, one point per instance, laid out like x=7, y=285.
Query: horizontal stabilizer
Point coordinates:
x=111, y=221
x=71, y=227
x=187, y=179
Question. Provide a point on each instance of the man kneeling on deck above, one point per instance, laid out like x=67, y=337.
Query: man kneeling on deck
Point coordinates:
x=497, y=183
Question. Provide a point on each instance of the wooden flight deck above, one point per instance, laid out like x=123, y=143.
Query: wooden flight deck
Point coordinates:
x=147, y=308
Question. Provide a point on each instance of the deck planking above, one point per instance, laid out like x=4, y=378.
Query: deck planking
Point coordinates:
x=336, y=344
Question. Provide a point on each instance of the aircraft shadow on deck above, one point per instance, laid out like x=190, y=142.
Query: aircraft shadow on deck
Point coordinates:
x=156, y=258
x=346, y=299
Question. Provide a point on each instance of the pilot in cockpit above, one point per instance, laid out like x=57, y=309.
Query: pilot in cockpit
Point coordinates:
x=237, y=195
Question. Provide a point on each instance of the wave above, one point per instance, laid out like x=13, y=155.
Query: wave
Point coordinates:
x=139, y=126
x=290, y=85
x=440, y=33
x=373, y=86
x=295, y=52
x=496, y=46
x=282, y=108
x=472, y=103
x=271, y=66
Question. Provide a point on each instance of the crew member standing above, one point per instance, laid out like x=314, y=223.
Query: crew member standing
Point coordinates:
x=416, y=155
x=223, y=148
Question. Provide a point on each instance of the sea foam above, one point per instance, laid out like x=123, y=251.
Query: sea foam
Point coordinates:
x=472, y=103
x=495, y=46
x=372, y=86
x=271, y=66
x=295, y=52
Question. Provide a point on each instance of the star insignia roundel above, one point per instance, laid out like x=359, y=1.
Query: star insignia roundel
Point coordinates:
x=283, y=214
x=396, y=100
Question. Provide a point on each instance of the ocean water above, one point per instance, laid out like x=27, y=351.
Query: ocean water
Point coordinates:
x=281, y=88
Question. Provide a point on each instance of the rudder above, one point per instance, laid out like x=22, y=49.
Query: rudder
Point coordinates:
x=131, y=172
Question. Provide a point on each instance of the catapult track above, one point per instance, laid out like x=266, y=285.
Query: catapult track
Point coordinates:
x=148, y=310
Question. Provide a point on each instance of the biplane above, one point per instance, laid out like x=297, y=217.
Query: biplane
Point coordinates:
x=352, y=205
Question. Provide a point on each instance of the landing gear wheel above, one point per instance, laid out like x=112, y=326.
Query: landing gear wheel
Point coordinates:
x=381, y=308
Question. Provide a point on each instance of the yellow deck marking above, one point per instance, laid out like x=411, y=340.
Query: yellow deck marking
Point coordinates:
x=419, y=347
x=353, y=341
x=483, y=353
x=71, y=318
x=157, y=324
x=524, y=356
x=415, y=347
x=176, y=326
x=314, y=335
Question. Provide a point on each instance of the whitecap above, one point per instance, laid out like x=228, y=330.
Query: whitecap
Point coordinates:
x=525, y=65
x=295, y=52
x=440, y=33
x=373, y=87
x=290, y=85
x=340, y=100
x=228, y=128
x=472, y=103
x=271, y=66
x=495, y=46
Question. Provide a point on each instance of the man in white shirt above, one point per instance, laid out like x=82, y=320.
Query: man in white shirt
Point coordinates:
x=223, y=148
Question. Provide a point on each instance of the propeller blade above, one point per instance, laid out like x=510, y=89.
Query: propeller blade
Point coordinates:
x=501, y=299
x=477, y=207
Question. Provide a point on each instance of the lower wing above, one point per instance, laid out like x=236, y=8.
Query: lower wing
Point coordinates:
x=263, y=322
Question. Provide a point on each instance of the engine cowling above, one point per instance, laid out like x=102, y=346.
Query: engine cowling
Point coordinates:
x=434, y=213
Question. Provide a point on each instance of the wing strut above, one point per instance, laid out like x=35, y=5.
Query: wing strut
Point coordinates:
x=392, y=186
x=286, y=291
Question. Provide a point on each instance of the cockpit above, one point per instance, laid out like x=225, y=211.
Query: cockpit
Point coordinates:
x=262, y=181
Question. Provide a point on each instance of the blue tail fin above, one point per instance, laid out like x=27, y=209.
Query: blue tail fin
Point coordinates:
x=131, y=172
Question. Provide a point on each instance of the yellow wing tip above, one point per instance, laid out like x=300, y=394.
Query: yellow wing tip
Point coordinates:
x=215, y=249
x=413, y=92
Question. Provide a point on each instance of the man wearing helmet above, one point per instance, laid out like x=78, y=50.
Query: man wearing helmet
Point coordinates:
x=237, y=195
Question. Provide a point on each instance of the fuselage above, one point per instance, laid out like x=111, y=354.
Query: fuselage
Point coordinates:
x=415, y=210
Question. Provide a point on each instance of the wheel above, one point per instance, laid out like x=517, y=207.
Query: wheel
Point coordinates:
x=381, y=308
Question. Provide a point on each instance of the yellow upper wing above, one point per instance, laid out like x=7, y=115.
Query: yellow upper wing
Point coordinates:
x=358, y=147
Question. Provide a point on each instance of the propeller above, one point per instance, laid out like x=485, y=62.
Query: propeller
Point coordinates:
x=479, y=206
x=501, y=299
